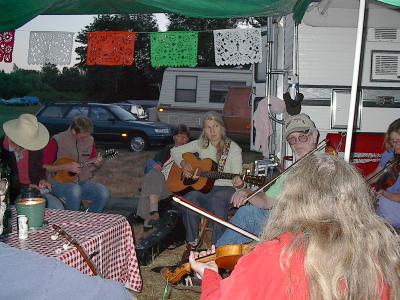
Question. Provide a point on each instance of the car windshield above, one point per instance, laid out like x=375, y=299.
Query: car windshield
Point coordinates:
x=122, y=114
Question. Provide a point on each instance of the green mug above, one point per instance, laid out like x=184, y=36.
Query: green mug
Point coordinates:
x=33, y=208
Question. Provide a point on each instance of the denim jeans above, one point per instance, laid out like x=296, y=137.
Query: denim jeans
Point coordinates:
x=73, y=193
x=216, y=201
x=389, y=210
x=249, y=218
x=53, y=202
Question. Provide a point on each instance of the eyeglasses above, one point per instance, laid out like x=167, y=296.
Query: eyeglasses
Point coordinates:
x=394, y=142
x=303, y=138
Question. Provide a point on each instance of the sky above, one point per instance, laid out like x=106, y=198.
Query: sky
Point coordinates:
x=70, y=23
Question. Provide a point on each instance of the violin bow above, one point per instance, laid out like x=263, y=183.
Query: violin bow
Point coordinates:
x=319, y=147
x=213, y=217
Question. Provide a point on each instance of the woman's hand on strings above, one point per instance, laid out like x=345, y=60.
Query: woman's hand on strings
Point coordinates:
x=187, y=169
x=199, y=267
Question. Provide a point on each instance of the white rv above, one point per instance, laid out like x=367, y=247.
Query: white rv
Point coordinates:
x=187, y=93
x=317, y=57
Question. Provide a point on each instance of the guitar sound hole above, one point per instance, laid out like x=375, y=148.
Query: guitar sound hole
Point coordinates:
x=71, y=173
x=189, y=181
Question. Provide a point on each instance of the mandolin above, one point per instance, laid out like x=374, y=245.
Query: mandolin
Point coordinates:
x=67, y=176
x=82, y=252
x=205, y=169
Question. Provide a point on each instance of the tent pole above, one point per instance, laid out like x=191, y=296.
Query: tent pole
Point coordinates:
x=354, y=84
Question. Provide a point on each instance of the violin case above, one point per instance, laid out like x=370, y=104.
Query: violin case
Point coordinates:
x=168, y=232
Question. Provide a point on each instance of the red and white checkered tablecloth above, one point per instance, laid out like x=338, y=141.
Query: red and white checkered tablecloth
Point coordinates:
x=108, y=235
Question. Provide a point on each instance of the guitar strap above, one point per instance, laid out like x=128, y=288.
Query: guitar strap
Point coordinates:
x=224, y=155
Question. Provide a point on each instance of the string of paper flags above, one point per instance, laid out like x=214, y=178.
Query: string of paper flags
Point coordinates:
x=117, y=48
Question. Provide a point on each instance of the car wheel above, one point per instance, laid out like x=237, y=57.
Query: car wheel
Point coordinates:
x=138, y=143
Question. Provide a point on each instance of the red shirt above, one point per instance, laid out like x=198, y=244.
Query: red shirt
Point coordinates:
x=258, y=275
x=50, y=152
x=22, y=164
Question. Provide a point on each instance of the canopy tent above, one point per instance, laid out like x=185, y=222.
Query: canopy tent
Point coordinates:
x=15, y=13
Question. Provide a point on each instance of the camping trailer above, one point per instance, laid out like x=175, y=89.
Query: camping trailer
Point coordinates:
x=187, y=93
x=317, y=58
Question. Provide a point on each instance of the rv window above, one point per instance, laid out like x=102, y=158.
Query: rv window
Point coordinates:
x=219, y=89
x=186, y=87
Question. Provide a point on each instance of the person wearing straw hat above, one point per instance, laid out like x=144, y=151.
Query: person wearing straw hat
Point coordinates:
x=77, y=144
x=22, y=147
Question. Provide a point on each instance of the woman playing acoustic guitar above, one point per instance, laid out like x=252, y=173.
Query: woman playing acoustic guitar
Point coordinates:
x=389, y=196
x=322, y=241
x=212, y=144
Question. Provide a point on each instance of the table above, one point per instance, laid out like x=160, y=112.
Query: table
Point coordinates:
x=108, y=236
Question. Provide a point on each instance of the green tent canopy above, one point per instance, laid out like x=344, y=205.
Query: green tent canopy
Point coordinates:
x=15, y=13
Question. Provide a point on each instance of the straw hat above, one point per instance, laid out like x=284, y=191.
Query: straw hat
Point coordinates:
x=27, y=132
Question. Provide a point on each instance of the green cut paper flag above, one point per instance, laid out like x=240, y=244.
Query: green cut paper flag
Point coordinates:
x=174, y=49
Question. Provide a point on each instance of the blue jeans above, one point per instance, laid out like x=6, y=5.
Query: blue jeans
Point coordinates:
x=53, y=202
x=389, y=210
x=249, y=218
x=73, y=193
x=216, y=201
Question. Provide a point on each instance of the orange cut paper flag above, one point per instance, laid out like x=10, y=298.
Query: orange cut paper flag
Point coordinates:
x=111, y=48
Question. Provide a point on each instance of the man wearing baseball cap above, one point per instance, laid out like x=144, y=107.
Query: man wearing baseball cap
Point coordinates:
x=21, y=145
x=302, y=137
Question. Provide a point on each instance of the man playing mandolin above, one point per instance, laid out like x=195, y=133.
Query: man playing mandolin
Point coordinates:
x=212, y=144
x=302, y=137
x=77, y=146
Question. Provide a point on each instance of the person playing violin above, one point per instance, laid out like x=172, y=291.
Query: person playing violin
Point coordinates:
x=322, y=241
x=302, y=137
x=214, y=144
x=389, y=198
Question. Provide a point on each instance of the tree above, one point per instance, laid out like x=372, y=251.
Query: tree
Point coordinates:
x=205, y=27
x=115, y=83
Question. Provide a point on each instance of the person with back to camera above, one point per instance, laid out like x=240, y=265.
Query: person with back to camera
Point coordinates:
x=323, y=240
x=214, y=144
x=389, y=198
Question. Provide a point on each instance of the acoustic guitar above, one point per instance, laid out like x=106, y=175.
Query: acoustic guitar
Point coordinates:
x=82, y=252
x=67, y=176
x=205, y=170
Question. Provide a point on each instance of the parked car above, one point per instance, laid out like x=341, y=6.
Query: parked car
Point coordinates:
x=112, y=124
x=26, y=100
x=137, y=110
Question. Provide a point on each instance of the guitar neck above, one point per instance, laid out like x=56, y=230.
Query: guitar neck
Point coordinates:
x=256, y=180
x=218, y=175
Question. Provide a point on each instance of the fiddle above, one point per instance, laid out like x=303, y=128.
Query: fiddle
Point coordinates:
x=225, y=257
x=389, y=174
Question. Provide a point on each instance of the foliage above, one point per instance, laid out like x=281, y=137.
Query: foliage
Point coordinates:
x=122, y=82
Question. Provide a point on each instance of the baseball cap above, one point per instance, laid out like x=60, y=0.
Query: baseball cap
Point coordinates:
x=300, y=123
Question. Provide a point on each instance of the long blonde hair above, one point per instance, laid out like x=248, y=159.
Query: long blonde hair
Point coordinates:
x=204, y=141
x=349, y=250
